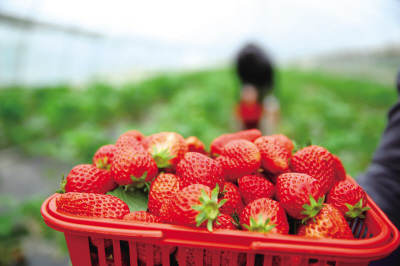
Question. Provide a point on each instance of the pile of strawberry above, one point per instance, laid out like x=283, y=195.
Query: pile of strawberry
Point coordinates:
x=245, y=182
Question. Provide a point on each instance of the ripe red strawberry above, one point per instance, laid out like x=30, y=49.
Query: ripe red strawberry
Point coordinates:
x=218, y=143
x=225, y=222
x=104, y=156
x=133, y=165
x=87, y=178
x=317, y=162
x=195, y=145
x=340, y=171
x=143, y=216
x=328, y=223
x=196, y=168
x=298, y=195
x=234, y=202
x=128, y=140
x=264, y=215
x=92, y=205
x=274, y=157
x=285, y=142
x=133, y=133
x=238, y=158
x=167, y=148
x=161, y=190
x=350, y=199
x=194, y=205
x=254, y=187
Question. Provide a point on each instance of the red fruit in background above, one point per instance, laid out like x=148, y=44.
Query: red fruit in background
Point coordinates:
x=285, y=142
x=196, y=168
x=194, y=205
x=300, y=195
x=274, y=157
x=340, y=171
x=266, y=216
x=161, y=190
x=225, y=221
x=328, y=223
x=254, y=187
x=195, y=145
x=87, y=178
x=238, y=158
x=133, y=165
x=317, y=162
x=92, y=205
x=218, y=143
x=143, y=216
x=103, y=158
x=167, y=148
x=350, y=199
x=234, y=202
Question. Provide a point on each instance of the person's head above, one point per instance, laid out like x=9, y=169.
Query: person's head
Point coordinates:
x=255, y=68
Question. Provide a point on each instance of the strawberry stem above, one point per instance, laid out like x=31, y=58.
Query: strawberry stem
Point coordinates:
x=356, y=210
x=162, y=157
x=313, y=209
x=209, y=208
x=259, y=225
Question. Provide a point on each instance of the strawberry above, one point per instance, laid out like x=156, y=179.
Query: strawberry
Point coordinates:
x=133, y=165
x=254, y=187
x=328, y=223
x=133, y=133
x=194, y=205
x=264, y=215
x=128, y=140
x=218, y=143
x=87, y=178
x=196, y=168
x=340, y=171
x=234, y=202
x=274, y=157
x=285, y=142
x=143, y=216
x=92, y=205
x=298, y=193
x=195, y=145
x=104, y=156
x=167, y=148
x=161, y=190
x=350, y=199
x=223, y=222
x=238, y=158
x=317, y=162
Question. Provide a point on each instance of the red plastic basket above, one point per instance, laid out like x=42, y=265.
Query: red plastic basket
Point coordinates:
x=376, y=238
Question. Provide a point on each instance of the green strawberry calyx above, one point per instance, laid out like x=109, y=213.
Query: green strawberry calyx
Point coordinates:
x=162, y=157
x=260, y=225
x=103, y=164
x=62, y=185
x=209, y=208
x=139, y=183
x=356, y=210
x=312, y=209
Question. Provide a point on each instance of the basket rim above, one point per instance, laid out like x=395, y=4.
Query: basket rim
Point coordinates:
x=379, y=245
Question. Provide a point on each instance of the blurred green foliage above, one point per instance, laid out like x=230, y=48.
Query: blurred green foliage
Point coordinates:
x=345, y=115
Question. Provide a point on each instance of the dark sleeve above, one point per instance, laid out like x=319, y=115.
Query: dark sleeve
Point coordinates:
x=382, y=178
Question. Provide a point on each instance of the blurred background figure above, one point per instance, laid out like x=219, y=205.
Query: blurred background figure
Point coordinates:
x=258, y=107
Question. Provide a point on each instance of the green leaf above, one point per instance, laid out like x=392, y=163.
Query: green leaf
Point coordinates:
x=136, y=199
